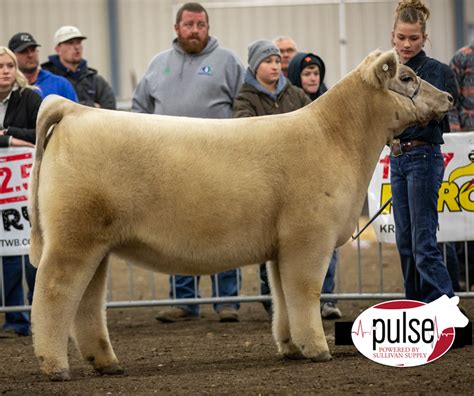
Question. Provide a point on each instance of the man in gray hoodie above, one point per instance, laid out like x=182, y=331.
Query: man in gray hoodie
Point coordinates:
x=194, y=78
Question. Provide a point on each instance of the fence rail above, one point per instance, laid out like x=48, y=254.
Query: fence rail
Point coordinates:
x=366, y=271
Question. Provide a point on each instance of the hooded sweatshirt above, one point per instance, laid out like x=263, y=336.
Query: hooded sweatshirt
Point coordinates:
x=201, y=85
x=295, y=69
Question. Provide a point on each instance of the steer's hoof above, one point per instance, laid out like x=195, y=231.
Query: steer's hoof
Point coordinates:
x=114, y=369
x=60, y=376
x=322, y=357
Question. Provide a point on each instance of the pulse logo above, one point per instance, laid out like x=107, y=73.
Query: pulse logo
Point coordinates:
x=406, y=333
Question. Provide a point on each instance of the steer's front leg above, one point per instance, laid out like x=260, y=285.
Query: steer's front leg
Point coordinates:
x=302, y=280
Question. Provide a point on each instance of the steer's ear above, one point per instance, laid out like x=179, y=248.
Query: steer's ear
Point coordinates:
x=382, y=68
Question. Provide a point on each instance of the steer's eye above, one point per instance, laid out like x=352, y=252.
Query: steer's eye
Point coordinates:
x=406, y=78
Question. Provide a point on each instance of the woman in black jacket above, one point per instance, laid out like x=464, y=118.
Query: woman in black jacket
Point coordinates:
x=19, y=105
x=19, y=102
x=417, y=167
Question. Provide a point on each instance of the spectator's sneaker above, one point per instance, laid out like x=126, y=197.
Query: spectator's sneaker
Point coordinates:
x=228, y=314
x=329, y=310
x=175, y=314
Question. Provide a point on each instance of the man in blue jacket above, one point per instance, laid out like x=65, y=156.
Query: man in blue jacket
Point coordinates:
x=25, y=48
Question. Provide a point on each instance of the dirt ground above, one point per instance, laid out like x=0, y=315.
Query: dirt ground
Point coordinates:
x=208, y=357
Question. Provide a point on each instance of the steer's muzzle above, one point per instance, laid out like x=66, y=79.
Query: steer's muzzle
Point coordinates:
x=439, y=115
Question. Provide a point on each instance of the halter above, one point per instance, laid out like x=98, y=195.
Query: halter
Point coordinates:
x=412, y=97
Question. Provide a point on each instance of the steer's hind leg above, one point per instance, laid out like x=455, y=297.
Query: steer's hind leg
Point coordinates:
x=90, y=325
x=280, y=323
x=63, y=275
x=302, y=277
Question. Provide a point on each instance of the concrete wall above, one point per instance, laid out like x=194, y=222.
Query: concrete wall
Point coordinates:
x=145, y=27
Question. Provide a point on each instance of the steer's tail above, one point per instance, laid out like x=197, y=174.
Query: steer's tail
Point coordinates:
x=51, y=112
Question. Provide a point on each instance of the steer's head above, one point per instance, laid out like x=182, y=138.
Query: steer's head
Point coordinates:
x=430, y=103
x=410, y=100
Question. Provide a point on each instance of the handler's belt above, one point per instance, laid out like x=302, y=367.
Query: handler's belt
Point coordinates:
x=397, y=148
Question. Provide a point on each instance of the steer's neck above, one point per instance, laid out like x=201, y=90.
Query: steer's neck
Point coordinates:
x=353, y=115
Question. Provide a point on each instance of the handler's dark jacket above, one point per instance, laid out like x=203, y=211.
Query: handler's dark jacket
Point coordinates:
x=20, y=117
x=254, y=100
x=90, y=87
x=441, y=76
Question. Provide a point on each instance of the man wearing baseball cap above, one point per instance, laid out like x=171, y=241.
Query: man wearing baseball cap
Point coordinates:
x=26, y=51
x=91, y=88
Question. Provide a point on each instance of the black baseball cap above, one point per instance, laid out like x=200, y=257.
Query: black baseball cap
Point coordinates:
x=21, y=41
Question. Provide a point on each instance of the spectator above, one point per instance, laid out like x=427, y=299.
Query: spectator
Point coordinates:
x=19, y=105
x=266, y=91
x=195, y=78
x=91, y=88
x=25, y=48
x=417, y=168
x=307, y=71
x=288, y=50
x=461, y=119
x=26, y=51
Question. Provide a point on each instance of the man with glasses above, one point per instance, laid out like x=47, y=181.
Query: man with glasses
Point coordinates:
x=288, y=50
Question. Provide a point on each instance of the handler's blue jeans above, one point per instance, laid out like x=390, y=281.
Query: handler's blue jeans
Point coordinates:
x=225, y=286
x=416, y=177
x=13, y=291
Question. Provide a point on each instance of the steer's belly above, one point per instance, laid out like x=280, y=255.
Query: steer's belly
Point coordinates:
x=195, y=260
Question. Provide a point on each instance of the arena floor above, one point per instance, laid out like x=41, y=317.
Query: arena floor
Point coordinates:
x=208, y=357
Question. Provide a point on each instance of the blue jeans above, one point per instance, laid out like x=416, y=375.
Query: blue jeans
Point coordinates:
x=452, y=263
x=227, y=285
x=328, y=284
x=416, y=177
x=13, y=291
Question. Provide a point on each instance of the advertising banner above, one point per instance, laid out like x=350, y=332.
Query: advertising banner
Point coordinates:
x=456, y=195
x=15, y=168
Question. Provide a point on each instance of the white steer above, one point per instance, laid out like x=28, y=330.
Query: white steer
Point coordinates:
x=198, y=196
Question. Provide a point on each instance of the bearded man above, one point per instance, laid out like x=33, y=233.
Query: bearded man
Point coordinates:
x=194, y=78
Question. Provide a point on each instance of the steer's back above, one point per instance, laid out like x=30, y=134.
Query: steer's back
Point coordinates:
x=157, y=183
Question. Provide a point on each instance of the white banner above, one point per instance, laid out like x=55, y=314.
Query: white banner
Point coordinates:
x=15, y=168
x=456, y=195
